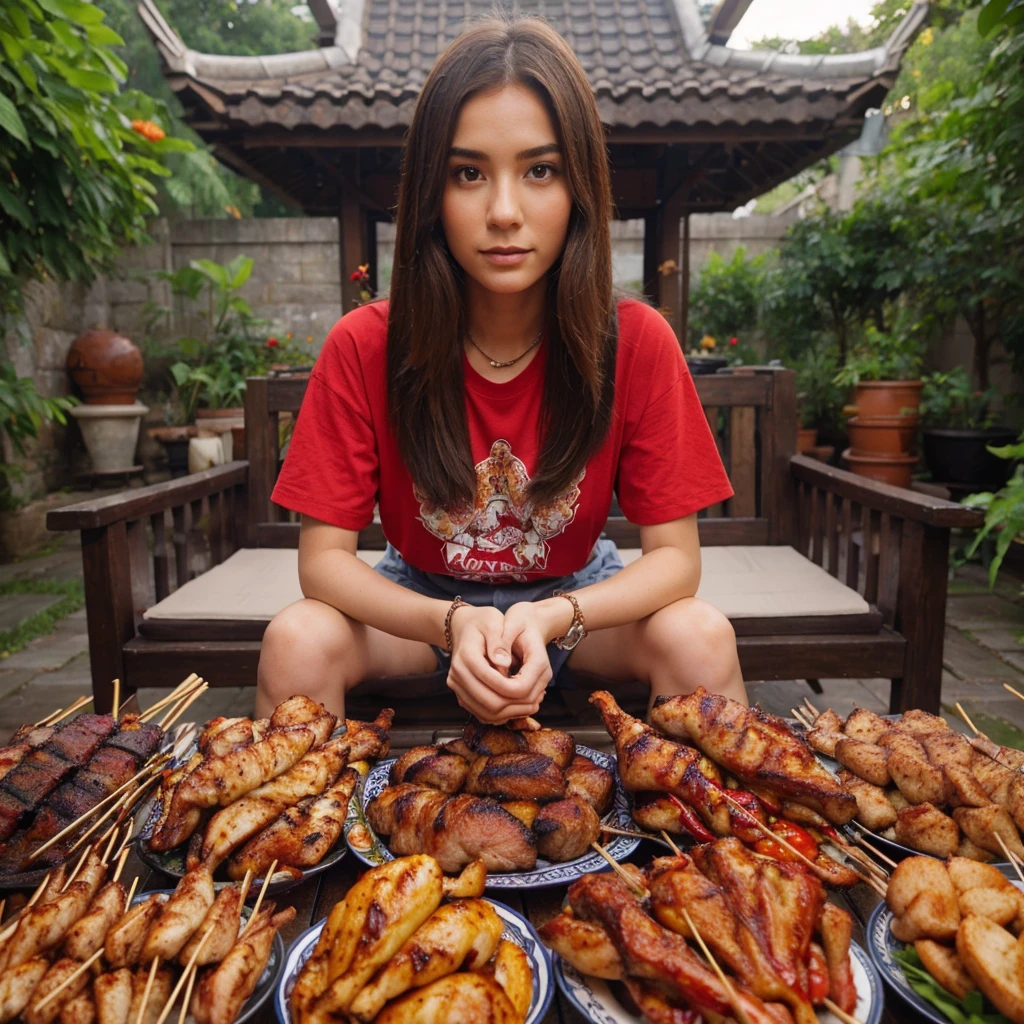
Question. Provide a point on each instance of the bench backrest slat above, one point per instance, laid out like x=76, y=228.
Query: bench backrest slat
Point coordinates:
x=751, y=412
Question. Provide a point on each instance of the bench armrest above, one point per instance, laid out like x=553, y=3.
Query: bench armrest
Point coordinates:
x=895, y=501
x=145, y=501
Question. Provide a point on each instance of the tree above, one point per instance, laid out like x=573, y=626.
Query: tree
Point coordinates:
x=79, y=154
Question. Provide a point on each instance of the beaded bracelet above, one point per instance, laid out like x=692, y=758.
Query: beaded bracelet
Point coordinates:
x=457, y=603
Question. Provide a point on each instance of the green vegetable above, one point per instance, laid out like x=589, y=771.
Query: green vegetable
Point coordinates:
x=966, y=1011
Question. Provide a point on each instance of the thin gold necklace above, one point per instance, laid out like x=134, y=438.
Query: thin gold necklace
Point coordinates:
x=498, y=363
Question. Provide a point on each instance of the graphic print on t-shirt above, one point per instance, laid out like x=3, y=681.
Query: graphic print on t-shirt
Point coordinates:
x=501, y=535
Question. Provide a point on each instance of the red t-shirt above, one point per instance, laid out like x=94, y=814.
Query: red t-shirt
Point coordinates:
x=658, y=456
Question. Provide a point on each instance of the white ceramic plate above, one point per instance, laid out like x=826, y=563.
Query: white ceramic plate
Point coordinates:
x=371, y=850
x=517, y=929
x=596, y=999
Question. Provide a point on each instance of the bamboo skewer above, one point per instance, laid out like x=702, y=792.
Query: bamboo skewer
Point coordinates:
x=246, y=883
x=259, y=899
x=78, y=867
x=122, y=808
x=127, y=836
x=859, y=855
x=120, y=865
x=861, y=838
x=730, y=992
x=71, y=709
x=970, y=725
x=117, y=699
x=1009, y=689
x=1009, y=855
x=92, y=810
x=182, y=689
x=617, y=868
x=846, y=1018
x=615, y=831
x=3, y=907
x=110, y=846
x=148, y=990
x=67, y=981
x=668, y=842
x=172, y=716
x=810, y=707
x=131, y=893
x=16, y=920
x=185, y=974
x=801, y=718
x=188, y=995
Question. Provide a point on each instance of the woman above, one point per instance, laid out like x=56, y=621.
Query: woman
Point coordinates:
x=490, y=408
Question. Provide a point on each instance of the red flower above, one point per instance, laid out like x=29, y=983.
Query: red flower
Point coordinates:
x=356, y=275
x=272, y=342
x=734, y=341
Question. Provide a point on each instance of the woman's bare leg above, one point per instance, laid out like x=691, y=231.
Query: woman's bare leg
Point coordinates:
x=682, y=646
x=311, y=648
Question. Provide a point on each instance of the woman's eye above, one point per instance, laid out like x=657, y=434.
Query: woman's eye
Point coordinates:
x=467, y=174
x=540, y=172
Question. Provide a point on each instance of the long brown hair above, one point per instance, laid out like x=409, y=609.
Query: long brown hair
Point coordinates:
x=427, y=318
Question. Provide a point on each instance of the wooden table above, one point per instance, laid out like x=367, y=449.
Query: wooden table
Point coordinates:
x=313, y=900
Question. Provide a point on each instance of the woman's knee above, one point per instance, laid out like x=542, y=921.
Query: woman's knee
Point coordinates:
x=311, y=628
x=690, y=626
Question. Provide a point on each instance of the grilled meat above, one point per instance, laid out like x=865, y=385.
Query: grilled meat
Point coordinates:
x=17, y=985
x=553, y=743
x=590, y=781
x=56, y=976
x=756, y=747
x=492, y=739
x=459, y=935
x=924, y=827
x=125, y=939
x=176, y=821
x=159, y=993
x=516, y=777
x=46, y=925
x=369, y=739
x=222, y=919
x=874, y=809
x=460, y=997
x=182, y=914
x=919, y=781
x=80, y=1010
x=88, y=933
x=428, y=766
x=565, y=829
x=234, y=824
x=865, y=725
x=224, y=736
x=525, y=810
x=112, y=993
x=140, y=739
x=865, y=760
x=455, y=830
x=302, y=835
x=586, y=946
x=836, y=927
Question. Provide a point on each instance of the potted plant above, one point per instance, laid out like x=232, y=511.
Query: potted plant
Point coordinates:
x=958, y=433
x=1004, y=509
x=884, y=372
x=819, y=399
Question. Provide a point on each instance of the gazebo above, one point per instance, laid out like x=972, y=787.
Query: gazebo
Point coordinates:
x=693, y=125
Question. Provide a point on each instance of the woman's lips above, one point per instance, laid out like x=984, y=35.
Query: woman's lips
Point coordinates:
x=506, y=259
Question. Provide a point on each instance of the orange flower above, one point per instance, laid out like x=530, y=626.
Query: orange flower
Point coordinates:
x=149, y=130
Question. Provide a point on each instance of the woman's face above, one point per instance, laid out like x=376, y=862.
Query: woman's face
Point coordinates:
x=506, y=205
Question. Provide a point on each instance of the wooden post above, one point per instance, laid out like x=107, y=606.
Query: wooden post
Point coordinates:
x=352, y=235
x=110, y=615
x=684, y=330
x=778, y=445
x=261, y=443
x=651, y=249
x=669, y=290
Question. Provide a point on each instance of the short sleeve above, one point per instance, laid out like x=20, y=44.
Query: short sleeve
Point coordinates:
x=331, y=470
x=669, y=466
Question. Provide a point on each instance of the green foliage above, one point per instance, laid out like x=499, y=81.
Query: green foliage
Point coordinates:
x=75, y=178
x=233, y=343
x=72, y=598
x=949, y=400
x=969, y=1010
x=882, y=356
x=23, y=410
x=726, y=299
x=200, y=186
x=820, y=398
x=1004, y=510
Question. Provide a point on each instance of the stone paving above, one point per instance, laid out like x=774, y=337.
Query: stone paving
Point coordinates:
x=984, y=649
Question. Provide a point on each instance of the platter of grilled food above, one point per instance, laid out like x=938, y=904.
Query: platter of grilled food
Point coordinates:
x=68, y=775
x=947, y=940
x=922, y=786
x=267, y=797
x=408, y=943
x=721, y=930
x=85, y=948
x=529, y=802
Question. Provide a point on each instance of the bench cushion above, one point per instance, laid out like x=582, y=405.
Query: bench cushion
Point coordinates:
x=761, y=590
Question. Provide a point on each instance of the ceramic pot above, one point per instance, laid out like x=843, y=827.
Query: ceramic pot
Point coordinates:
x=962, y=456
x=106, y=367
x=111, y=433
x=882, y=435
x=873, y=398
x=701, y=365
x=806, y=438
x=887, y=469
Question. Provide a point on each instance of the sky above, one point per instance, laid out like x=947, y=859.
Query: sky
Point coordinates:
x=796, y=19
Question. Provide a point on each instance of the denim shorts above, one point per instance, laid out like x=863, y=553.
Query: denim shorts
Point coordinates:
x=604, y=562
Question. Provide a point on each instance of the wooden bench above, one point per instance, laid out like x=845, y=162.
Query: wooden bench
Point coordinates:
x=822, y=525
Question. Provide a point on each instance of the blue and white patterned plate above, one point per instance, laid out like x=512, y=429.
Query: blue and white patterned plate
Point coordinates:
x=596, y=999
x=370, y=849
x=517, y=929
x=882, y=944
x=268, y=979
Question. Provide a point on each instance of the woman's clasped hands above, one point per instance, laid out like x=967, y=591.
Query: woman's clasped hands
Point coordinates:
x=500, y=668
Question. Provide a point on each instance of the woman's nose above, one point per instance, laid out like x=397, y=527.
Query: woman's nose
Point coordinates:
x=504, y=210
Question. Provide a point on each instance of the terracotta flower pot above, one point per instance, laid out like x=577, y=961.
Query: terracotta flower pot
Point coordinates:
x=881, y=435
x=106, y=366
x=887, y=469
x=873, y=398
x=806, y=438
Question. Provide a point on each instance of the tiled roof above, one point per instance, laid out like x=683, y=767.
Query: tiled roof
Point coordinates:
x=647, y=60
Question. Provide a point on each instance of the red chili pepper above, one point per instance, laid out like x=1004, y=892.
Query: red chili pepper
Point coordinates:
x=689, y=820
x=798, y=838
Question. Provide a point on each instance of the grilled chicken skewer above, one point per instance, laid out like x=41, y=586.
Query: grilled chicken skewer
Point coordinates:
x=182, y=914
x=222, y=920
x=90, y=931
x=112, y=993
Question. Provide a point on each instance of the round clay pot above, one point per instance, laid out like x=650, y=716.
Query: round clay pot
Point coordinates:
x=887, y=398
x=806, y=438
x=106, y=366
x=881, y=435
x=962, y=456
x=887, y=469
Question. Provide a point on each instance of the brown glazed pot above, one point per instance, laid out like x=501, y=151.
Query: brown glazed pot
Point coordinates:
x=887, y=398
x=887, y=469
x=106, y=367
x=806, y=438
x=881, y=435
